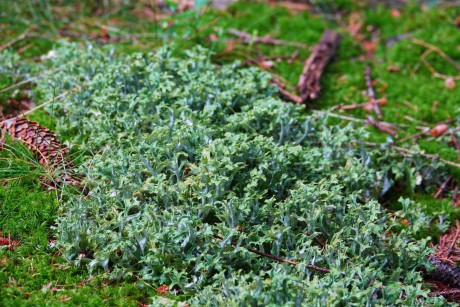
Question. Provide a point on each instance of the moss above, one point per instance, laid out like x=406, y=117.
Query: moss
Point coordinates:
x=27, y=212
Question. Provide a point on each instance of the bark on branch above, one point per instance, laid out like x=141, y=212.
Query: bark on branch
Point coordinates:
x=309, y=85
x=445, y=272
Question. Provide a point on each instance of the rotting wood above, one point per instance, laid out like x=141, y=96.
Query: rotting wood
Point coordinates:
x=309, y=81
x=444, y=272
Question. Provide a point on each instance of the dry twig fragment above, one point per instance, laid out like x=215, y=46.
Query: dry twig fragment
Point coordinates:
x=309, y=81
x=285, y=94
x=382, y=126
x=371, y=92
x=248, y=38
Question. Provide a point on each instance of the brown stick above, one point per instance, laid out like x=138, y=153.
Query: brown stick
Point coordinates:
x=285, y=94
x=455, y=198
x=313, y=267
x=247, y=38
x=382, y=126
x=444, y=272
x=371, y=92
x=413, y=153
x=309, y=85
x=442, y=187
x=445, y=292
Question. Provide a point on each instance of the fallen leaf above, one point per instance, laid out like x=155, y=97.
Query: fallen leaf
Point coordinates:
x=213, y=37
x=395, y=13
x=355, y=24
x=162, y=289
x=449, y=83
x=438, y=130
x=405, y=222
x=64, y=298
x=369, y=47
x=266, y=64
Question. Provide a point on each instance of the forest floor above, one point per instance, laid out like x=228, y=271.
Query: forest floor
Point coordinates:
x=413, y=51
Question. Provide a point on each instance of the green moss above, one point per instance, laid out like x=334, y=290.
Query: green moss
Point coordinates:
x=29, y=272
x=343, y=82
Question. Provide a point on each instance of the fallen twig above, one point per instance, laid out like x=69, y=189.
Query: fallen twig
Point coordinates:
x=312, y=267
x=248, y=38
x=285, y=94
x=455, y=198
x=36, y=108
x=371, y=92
x=414, y=136
x=422, y=154
x=429, y=50
x=309, y=80
x=32, y=78
x=433, y=48
x=380, y=101
x=382, y=126
x=443, y=187
x=444, y=272
x=24, y=35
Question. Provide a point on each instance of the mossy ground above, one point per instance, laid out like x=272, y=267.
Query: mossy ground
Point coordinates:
x=27, y=213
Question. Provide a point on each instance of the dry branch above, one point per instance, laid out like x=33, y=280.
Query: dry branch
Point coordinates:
x=444, y=272
x=285, y=94
x=279, y=259
x=382, y=126
x=309, y=81
x=248, y=38
x=371, y=92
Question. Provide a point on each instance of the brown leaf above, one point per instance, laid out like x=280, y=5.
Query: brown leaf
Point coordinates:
x=354, y=25
x=405, y=222
x=369, y=47
x=162, y=289
x=439, y=130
